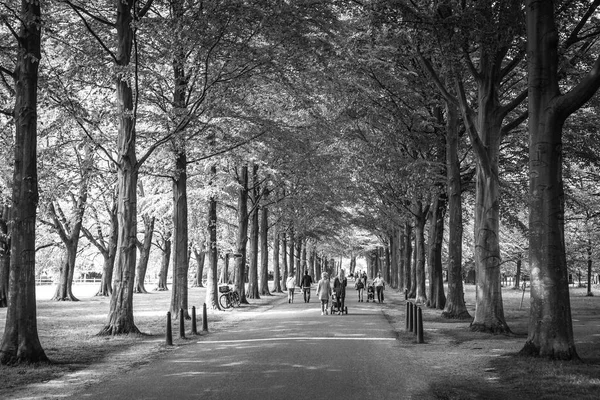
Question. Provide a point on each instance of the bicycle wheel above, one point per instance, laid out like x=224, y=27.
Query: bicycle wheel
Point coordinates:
x=235, y=299
x=224, y=301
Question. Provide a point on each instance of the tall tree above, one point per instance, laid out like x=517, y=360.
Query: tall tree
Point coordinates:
x=4, y=256
x=550, y=325
x=264, y=245
x=20, y=342
x=212, y=294
x=242, y=236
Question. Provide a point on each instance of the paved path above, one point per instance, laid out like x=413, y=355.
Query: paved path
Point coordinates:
x=287, y=352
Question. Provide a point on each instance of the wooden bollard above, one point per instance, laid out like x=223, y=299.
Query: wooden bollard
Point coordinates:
x=405, y=294
x=419, y=325
x=415, y=319
x=194, y=327
x=169, y=332
x=181, y=324
x=204, y=321
x=410, y=316
x=407, y=317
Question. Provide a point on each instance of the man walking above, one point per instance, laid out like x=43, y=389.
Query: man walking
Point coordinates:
x=379, y=286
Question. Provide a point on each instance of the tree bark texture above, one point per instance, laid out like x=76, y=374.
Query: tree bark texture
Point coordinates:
x=144, y=249
x=455, y=304
x=199, y=255
x=179, y=291
x=253, y=290
x=120, y=316
x=420, y=214
x=264, y=246
x=285, y=262
x=436, y=297
x=4, y=256
x=242, y=236
x=550, y=333
x=276, y=271
x=409, y=282
x=108, y=249
x=164, y=264
x=20, y=342
x=212, y=294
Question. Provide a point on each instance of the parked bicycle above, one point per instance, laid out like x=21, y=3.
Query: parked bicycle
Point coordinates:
x=229, y=298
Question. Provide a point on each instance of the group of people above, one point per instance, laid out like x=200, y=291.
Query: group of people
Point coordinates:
x=325, y=291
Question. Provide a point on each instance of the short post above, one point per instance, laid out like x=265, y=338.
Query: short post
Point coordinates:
x=410, y=316
x=407, y=317
x=181, y=324
x=419, y=325
x=204, y=321
x=169, y=332
x=405, y=294
x=415, y=322
x=194, y=327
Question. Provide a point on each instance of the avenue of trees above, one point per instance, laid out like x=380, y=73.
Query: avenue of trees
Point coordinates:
x=228, y=139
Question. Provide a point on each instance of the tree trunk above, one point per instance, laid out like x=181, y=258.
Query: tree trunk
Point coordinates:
x=20, y=342
x=144, y=249
x=420, y=220
x=212, y=294
x=589, y=268
x=199, y=255
x=242, y=237
x=518, y=273
x=285, y=263
x=291, y=246
x=264, y=249
x=550, y=325
x=253, y=290
x=179, y=291
x=455, y=303
x=164, y=265
x=297, y=259
x=109, y=253
x=4, y=256
x=408, y=265
x=393, y=239
x=436, y=298
x=120, y=316
x=64, y=289
x=276, y=272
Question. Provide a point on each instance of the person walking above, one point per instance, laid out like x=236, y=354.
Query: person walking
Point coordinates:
x=306, y=284
x=360, y=288
x=379, y=287
x=291, y=286
x=324, y=292
x=339, y=286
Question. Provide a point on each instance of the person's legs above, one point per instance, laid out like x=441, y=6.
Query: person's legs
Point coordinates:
x=379, y=293
x=307, y=294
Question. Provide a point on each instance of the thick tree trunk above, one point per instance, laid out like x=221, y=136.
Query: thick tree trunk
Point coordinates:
x=285, y=263
x=20, y=343
x=242, y=236
x=409, y=282
x=179, y=291
x=401, y=259
x=550, y=325
x=393, y=238
x=298, y=260
x=436, y=296
x=199, y=255
x=120, y=316
x=4, y=256
x=164, y=265
x=64, y=289
x=144, y=249
x=253, y=290
x=420, y=220
x=276, y=271
x=589, y=268
x=455, y=303
x=212, y=294
x=264, y=247
x=291, y=247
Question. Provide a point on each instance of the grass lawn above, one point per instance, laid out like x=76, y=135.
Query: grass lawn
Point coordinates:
x=464, y=364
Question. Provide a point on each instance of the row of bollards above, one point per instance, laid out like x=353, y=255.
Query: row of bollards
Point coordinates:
x=414, y=320
x=169, y=336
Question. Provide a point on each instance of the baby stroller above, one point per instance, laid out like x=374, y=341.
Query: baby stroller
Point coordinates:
x=336, y=305
x=371, y=293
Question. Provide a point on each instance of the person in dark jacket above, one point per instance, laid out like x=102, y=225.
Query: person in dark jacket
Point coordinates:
x=339, y=287
x=305, y=284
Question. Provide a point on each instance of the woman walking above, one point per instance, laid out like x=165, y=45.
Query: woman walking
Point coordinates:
x=323, y=292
